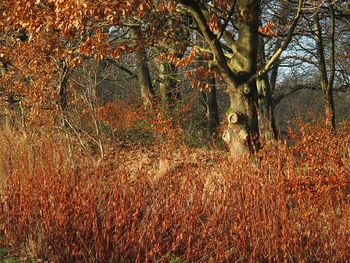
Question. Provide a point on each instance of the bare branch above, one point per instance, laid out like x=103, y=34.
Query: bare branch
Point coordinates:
x=285, y=44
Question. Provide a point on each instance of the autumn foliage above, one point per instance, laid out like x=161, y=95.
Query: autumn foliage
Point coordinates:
x=98, y=99
x=290, y=204
x=119, y=115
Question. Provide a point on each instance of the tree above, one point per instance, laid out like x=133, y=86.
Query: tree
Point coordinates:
x=143, y=73
x=168, y=86
x=238, y=68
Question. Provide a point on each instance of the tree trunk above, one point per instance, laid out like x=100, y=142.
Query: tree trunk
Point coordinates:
x=62, y=102
x=143, y=73
x=325, y=80
x=328, y=101
x=329, y=105
x=211, y=109
x=274, y=75
x=11, y=116
x=242, y=133
x=169, y=92
x=267, y=125
x=2, y=69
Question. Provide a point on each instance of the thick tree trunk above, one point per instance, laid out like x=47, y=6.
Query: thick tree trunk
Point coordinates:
x=242, y=133
x=211, y=109
x=143, y=73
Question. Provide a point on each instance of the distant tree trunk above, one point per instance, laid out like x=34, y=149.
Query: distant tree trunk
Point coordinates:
x=62, y=102
x=169, y=92
x=12, y=104
x=325, y=81
x=329, y=107
x=276, y=65
x=267, y=125
x=274, y=75
x=211, y=109
x=143, y=73
x=169, y=88
x=2, y=74
x=10, y=98
x=91, y=99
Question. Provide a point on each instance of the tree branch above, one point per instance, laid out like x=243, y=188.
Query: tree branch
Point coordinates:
x=285, y=44
x=211, y=39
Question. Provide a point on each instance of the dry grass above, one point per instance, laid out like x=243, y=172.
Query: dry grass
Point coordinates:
x=156, y=204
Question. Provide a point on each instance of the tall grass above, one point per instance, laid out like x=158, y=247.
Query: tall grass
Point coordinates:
x=290, y=204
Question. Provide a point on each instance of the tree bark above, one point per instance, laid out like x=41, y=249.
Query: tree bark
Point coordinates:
x=267, y=125
x=242, y=133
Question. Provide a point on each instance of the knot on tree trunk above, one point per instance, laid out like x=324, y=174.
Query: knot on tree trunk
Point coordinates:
x=236, y=135
x=236, y=118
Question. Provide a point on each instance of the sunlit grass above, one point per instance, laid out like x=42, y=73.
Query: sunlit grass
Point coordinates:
x=174, y=203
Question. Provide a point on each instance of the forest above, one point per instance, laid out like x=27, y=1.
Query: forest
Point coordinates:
x=174, y=131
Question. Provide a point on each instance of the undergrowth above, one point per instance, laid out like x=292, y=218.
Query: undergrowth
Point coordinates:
x=291, y=204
